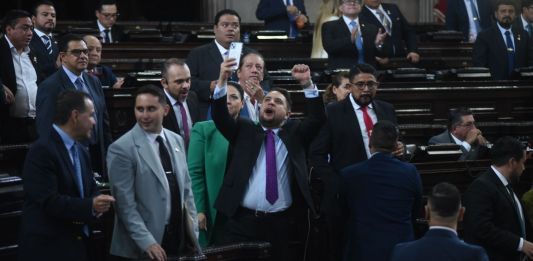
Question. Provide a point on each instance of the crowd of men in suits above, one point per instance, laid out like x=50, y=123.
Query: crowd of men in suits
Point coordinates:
x=371, y=194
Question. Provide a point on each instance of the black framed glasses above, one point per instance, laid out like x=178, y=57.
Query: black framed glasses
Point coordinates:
x=371, y=85
x=78, y=52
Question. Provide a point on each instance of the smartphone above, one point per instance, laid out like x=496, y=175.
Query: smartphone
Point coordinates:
x=235, y=50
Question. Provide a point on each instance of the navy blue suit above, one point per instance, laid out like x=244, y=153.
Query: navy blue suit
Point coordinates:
x=107, y=78
x=274, y=13
x=457, y=16
x=438, y=245
x=54, y=214
x=47, y=61
x=383, y=196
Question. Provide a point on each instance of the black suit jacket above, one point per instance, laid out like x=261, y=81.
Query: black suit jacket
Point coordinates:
x=246, y=139
x=519, y=25
x=274, y=13
x=170, y=122
x=403, y=38
x=340, y=144
x=490, y=51
x=47, y=61
x=54, y=213
x=457, y=16
x=107, y=78
x=491, y=220
x=117, y=32
x=342, y=53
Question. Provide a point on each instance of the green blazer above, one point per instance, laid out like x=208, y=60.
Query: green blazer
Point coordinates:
x=208, y=151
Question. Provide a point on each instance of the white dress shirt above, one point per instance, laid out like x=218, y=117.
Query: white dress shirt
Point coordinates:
x=380, y=8
x=101, y=28
x=471, y=22
x=465, y=144
x=360, y=119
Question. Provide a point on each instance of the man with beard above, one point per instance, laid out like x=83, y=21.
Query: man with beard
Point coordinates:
x=495, y=218
x=344, y=140
x=502, y=48
x=42, y=43
x=266, y=178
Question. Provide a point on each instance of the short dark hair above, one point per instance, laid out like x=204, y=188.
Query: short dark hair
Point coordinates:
x=249, y=52
x=286, y=94
x=66, y=39
x=455, y=116
x=384, y=136
x=104, y=2
x=239, y=88
x=506, y=148
x=362, y=68
x=226, y=12
x=66, y=102
x=527, y=3
x=444, y=200
x=504, y=2
x=44, y=2
x=11, y=18
x=152, y=90
x=169, y=62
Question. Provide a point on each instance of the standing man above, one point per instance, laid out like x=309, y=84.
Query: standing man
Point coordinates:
x=184, y=108
x=107, y=14
x=441, y=242
x=43, y=44
x=495, y=218
x=73, y=76
x=267, y=173
x=103, y=72
x=502, y=48
x=344, y=140
x=383, y=197
x=401, y=38
x=462, y=131
x=526, y=18
x=204, y=61
x=19, y=71
x=155, y=212
x=285, y=15
x=349, y=41
x=61, y=197
x=469, y=17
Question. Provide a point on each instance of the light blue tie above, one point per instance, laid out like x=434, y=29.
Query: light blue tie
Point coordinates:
x=77, y=167
x=80, y=86
x=358, y=42
x=475, y=15
x=293, y=32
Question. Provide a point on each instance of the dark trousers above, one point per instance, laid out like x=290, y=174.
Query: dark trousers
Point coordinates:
x=248, y=225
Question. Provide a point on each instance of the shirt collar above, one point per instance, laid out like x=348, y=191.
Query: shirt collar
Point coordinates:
x=73, y=77
x=221, y=48
x=100, y=26
x=380, y=7
x=348, y=20
x=455, y=139
x=67, y=140
x=503, y=30
x=40, y=33
x=444, y=228
x=12, y=47
x=502, y=178
x=170, y=98
x=524, y=22
x=356, y=106
x=152, y=136
x=273, y=130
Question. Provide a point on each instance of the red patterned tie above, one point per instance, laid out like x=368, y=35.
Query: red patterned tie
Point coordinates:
x=368, y=121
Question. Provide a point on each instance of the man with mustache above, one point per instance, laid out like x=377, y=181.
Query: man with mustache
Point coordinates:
x=43, y=44
x=20, y=75
x=344, y=140
x=72, y=75
x=495, y=217
x=503, y=48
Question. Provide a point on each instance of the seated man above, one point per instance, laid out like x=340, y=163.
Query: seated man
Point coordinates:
x=104, y=73
x=441, y=242
x=462, y=131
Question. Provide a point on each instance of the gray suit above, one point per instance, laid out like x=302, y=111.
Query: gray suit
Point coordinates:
x=446, y=137
x=141, y=189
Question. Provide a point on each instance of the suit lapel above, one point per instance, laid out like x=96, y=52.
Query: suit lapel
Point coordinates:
x=500, y=45
x=215, y=54
x=148, y=155
x=172, y=120
x=503, y=190
x=64, y=155
x=349, y=117
x=174, y=148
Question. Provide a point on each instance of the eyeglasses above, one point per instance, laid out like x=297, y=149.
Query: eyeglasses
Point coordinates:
x=371, y=85
x=24, y=28
x=110, y=15
x=351, y=2
x=78, y=52
x=233, y=25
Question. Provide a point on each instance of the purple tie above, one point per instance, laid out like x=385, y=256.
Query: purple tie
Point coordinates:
x=271, y=171
x=185, y=124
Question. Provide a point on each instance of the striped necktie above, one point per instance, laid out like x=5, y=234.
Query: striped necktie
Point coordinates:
x=47, y=43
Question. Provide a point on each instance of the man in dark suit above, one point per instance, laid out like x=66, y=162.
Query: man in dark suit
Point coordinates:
x=107, y=13
x=183, y=113
x=469, y=17
x=74, y=56
x=265, y=160
x=104, y=73
x=204, y=61
x=495, y=217
x=61, y=197
x=383, y=197
x=441, y=242
x=502, y=48
x=401, y=38
x=525, y=20
x=344, y=140
x=462, y=131
x=43, y=44
x=20, y=79
x=282, y=15
x=349, y=41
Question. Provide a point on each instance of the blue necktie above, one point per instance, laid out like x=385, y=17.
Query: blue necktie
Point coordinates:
x=293, y=32
x=77, y=167
x=80, y=86
x=47, y=43
x=107, y=39
x=475, y=15
x=358, y=42
x=529, y=29
x=510, y=52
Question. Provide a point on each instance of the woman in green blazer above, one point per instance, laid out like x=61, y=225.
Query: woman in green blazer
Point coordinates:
x=207, y=156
